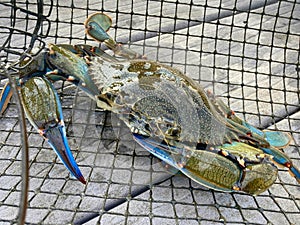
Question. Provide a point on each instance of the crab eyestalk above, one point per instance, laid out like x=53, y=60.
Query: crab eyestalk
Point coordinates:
x=43, y=110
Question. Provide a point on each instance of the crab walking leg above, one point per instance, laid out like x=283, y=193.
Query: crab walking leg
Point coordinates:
x=88, y=51
x=276, y=139
x=43, y=110
x=5, y=97
x=283, y=160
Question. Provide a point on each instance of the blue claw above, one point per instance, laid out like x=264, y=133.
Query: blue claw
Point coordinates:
x=204, y=167
x=43, y=110
x=5, y=97
x=56, y=137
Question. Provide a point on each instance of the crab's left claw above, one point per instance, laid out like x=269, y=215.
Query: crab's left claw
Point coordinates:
x=43, y=110
x=55, y=134
x=5, y=97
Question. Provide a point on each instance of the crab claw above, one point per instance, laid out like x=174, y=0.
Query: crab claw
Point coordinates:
x=43, y=110
x=189, y=163
x=56, y=137
x=5, y=97
x=216, y=168
x=204, y=167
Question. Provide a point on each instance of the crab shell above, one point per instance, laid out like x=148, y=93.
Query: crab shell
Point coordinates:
x=172, y=117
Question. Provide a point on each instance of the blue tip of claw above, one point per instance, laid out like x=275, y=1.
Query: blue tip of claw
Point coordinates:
x=57, y=139
x=5, y=97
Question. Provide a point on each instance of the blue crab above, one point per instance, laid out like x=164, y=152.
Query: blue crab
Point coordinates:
x=168, y=113
x=177, y=121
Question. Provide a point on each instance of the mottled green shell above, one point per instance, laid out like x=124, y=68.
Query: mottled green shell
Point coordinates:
x=168, y=102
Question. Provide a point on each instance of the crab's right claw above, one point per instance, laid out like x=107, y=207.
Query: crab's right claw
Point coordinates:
x=217, y=169
x=194, y=164
x=43, y=110
x=5, y=97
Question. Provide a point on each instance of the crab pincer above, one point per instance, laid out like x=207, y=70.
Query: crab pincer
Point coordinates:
x=43, y=110
x=217, y=168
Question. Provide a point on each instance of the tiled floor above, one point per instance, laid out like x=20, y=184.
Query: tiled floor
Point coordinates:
x=249, y=58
